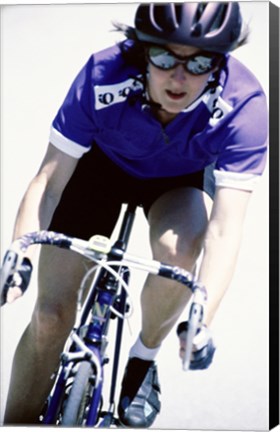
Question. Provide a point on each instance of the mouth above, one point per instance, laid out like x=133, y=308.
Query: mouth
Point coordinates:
x=175, y=95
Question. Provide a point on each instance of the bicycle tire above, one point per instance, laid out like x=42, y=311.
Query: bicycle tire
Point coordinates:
x=73, y=413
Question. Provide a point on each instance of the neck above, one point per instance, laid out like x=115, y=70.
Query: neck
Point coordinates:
x=163, y=116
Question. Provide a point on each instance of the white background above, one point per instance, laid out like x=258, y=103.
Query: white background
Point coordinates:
x=43, y=48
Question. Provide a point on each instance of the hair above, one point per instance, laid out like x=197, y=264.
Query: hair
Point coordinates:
x=134, y=54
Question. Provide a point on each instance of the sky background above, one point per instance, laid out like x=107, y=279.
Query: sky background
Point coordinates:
x=42, y=49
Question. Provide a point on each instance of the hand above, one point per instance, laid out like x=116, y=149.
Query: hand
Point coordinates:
x=203, y=346
x=17, y=283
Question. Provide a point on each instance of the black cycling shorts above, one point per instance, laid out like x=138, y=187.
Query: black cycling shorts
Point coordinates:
x=92, y=199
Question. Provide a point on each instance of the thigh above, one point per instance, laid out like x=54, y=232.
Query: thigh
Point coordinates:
x=178, y=221
x=152, y=189
x=91, y=201
x=60, y=273
x=90, y=205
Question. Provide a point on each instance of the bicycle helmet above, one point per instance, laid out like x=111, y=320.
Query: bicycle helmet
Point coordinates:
x=211, y=26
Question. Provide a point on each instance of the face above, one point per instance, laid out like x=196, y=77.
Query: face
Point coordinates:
x=175, y=89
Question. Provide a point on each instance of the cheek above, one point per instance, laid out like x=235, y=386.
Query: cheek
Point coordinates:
x=156, y=76
x=199, y=83
x=155, y=81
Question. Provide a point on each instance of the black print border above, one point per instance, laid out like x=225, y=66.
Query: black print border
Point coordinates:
x=274, y=215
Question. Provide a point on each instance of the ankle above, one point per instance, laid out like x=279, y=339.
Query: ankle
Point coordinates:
x=142, y=351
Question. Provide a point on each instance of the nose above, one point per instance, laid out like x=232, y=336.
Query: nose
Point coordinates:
x=179, y=73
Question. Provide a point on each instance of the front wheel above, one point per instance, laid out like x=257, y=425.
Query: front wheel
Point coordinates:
x=76, y=406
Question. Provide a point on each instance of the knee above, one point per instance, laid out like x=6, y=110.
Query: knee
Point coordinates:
x=51, y=323
x=176, y=251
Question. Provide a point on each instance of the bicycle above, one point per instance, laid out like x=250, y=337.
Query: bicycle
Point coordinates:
x=76, y=396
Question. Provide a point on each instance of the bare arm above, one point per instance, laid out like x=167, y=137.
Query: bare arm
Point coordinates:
x=44, y=192
x=222, y=244
x=41, y=199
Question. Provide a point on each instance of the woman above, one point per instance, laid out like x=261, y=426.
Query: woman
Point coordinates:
x=166, y=119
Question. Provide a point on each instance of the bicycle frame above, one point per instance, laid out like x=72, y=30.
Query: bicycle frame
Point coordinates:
x=86, y=346
x=101, y=297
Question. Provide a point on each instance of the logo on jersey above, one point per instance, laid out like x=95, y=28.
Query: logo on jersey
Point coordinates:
x=216, y=105
x=106, y=95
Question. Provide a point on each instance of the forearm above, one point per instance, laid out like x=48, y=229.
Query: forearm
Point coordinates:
x=40, y=200
x=217, y=268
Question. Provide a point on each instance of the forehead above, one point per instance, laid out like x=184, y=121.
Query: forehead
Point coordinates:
x=183, y=50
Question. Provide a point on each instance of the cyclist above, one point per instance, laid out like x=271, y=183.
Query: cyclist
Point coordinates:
x=166, y=118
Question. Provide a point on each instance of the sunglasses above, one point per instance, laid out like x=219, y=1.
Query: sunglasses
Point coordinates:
x=196, y=64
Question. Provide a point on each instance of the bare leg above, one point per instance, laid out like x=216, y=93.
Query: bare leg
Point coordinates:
x=178, y=222
x=38, y=351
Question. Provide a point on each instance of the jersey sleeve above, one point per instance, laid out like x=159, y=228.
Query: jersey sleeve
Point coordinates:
x=74, y=126
x=243, y=153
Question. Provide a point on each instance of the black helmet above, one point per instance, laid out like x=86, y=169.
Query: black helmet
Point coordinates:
x=210, y=26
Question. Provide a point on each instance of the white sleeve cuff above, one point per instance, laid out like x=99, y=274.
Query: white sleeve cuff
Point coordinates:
x=234, y=180
x=66, y=145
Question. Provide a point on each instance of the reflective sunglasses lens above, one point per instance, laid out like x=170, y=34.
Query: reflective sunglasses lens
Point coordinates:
x=200, y=64
x=197, y=64
x=161, y=58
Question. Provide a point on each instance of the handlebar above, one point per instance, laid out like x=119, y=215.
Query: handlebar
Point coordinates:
x=100, y=248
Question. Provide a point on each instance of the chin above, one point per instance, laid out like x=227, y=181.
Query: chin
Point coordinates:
x=174, y=111
x=175, y=108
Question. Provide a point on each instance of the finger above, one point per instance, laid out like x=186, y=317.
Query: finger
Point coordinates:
x=182, y=353
x=182, y=336
x=182, y=344
x=13, y=293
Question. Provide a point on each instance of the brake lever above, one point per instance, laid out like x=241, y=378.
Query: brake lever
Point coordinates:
x=194, y=322
x=11, y=262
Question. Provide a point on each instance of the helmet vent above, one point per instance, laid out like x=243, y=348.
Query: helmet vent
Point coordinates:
x=196, y=30
x=166, y=16
x=213, y=26
x=219, y=19
x=209, y=17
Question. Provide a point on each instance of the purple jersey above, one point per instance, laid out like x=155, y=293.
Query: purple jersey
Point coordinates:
x=226, y=126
